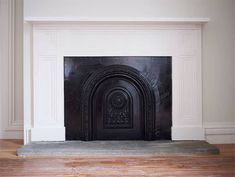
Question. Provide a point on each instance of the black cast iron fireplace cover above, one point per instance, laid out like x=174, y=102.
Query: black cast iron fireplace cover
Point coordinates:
x=117, y=98
x=117, y=104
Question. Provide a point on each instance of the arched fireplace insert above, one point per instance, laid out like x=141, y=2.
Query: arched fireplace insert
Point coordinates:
x=117, y=103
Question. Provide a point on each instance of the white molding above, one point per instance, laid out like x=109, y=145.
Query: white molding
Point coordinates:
x=187, y=133
x=11, y=134
x=117, y=20
x=13, y=123
x=220, y=132
x=48, y=134
x=11, y=126
x=28, y=81
x=11, y=67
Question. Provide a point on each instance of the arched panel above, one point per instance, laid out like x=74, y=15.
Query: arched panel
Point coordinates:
x=118, y=98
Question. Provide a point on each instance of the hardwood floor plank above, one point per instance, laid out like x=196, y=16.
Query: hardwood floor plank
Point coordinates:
x=188, y=165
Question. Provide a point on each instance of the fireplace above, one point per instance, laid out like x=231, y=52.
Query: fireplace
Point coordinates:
x=47, y=110
x=117, y=98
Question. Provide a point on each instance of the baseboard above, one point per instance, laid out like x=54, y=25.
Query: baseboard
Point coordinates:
x=48, y=134
x=220, y=133
x=11, y=134
x=187, y=133
x=215, y=133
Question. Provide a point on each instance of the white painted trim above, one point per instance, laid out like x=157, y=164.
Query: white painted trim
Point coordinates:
x=11, y=125
x=14, y=134
x=48, y=134
x=187, y=133
x=28, y=86
x=118, y=20
x=220, y=132
x=11, y=55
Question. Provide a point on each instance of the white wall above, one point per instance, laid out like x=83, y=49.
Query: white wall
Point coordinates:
x=11, y=69
x=218, y=43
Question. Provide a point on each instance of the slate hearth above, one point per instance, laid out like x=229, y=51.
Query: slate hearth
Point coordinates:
x=117, y=148
x=118, y=98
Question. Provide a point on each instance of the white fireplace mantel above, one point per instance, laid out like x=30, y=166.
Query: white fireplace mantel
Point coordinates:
x=117, y=20
x=47, y=41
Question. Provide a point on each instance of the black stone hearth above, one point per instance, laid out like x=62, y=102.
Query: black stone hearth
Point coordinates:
x=117, y=98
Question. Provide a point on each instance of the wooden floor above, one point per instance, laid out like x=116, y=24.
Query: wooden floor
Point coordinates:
x=193, y=165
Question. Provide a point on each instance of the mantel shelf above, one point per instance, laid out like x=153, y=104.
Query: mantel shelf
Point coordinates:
x=117, y=20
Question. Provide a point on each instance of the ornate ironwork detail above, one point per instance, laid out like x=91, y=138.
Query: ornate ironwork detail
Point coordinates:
x=117, y=100
x=118, y=109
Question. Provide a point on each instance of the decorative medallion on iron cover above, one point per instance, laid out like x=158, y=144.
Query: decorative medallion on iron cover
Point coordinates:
x=118, y=109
